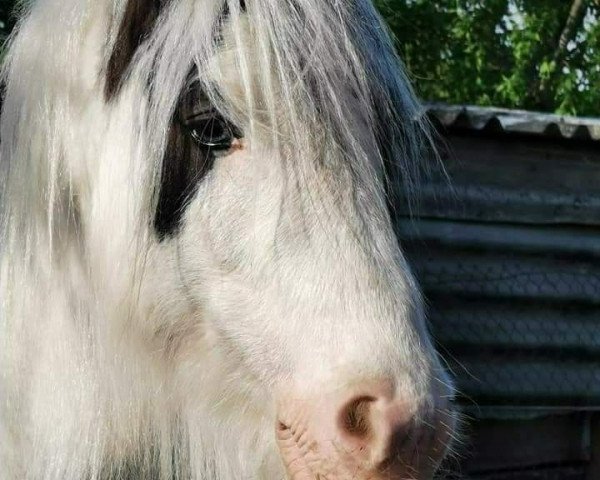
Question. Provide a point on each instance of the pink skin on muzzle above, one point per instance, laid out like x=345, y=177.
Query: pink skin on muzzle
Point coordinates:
x=365, y=432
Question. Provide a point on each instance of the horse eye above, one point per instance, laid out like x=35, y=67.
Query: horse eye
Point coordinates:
x=213, y=131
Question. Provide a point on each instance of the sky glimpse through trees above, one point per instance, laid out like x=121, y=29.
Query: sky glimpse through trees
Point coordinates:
x=529, y=54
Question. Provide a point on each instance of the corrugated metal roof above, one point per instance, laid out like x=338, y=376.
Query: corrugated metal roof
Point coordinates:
x=503, y=120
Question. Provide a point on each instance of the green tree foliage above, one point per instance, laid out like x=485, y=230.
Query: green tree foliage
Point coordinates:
x=531, y=54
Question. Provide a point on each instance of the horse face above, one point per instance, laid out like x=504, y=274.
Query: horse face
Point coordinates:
x=275, y=282
x=275, y=299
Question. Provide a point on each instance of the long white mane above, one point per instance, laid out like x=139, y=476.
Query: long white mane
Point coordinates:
x=74, y=250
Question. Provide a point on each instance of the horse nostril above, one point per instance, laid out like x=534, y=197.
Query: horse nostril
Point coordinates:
x=354, y=417
x=383, y=430
x=376, y=425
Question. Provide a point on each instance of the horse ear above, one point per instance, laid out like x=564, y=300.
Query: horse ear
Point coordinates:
x=138, y=21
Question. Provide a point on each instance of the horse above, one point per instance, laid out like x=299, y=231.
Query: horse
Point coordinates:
x=199, y=273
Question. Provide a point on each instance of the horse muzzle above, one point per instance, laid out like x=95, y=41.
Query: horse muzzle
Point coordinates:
x=367, y=432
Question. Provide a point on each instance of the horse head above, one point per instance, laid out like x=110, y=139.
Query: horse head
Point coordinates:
x=200, y=272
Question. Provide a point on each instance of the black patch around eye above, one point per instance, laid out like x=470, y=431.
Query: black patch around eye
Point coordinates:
x=184, y=166
x=197, y=135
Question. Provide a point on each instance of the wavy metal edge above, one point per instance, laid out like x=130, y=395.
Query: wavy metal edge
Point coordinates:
x=502, y=120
